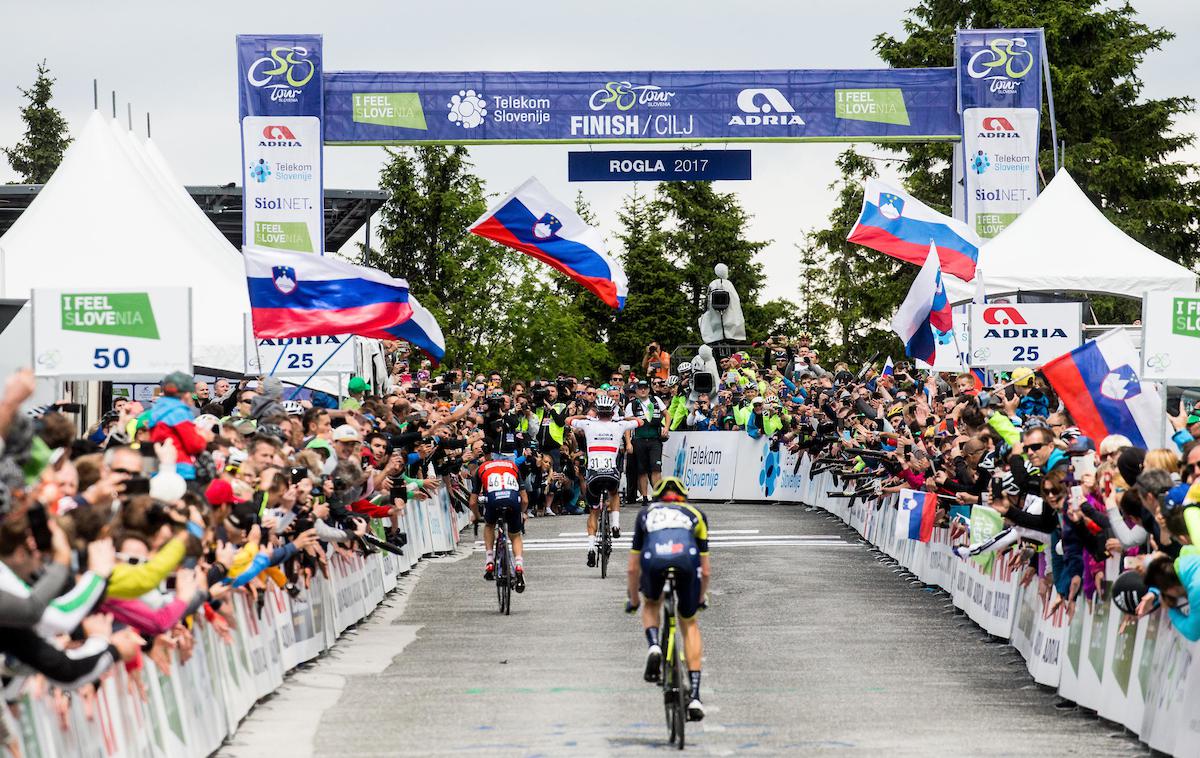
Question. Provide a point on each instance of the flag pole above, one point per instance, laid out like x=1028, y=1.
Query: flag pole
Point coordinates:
x=318, y=369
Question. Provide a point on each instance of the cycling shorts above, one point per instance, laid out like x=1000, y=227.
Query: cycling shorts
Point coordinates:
x=660, y=556
x=508, y=509
x=648, y=455
x=596, y=482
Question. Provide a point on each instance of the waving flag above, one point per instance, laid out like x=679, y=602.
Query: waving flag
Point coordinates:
x=421, y=331
x=925, y=312
x=1098, y=382
x=903, y=227
x=915, y=514
x=531, y=220
x=306, y=295
x=888, y=368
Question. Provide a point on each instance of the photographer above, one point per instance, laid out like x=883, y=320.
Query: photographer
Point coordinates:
x=656, y=362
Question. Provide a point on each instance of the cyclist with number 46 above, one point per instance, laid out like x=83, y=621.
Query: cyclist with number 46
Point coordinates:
x=604, y=439
x=500, y=485
x=670, y=534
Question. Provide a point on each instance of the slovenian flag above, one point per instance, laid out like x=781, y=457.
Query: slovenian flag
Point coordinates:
x=1098, y=382
x=915, y=515
x=923, y=311
x=898, y=224
x=533, y=221
x=888, y=368
x=421, y=331
x=306, y=295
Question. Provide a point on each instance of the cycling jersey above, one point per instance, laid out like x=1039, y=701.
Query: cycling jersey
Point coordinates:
x=499, y=481
x=671, y=536
x=604, y=441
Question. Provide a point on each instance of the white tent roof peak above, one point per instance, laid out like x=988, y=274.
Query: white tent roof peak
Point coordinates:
x=1063, y=242
x=112, y=216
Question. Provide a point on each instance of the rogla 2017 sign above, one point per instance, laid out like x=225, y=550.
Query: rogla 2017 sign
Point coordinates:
x=1023, y=334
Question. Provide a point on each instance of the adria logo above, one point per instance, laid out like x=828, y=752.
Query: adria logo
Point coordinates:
x=997, y=124
x=1003, y=315
x=278, y=135
x=274, y=131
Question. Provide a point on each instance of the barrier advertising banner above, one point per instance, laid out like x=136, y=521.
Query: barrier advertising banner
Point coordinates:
x=112, y=334
x=1024, y=334
x=1171, y=337
x=704, y=461
x=640, y=106
x=281, y=102
x=1000, y=98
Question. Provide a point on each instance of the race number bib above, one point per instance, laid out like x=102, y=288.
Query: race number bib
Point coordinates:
x=501, y=482
x=666, y=518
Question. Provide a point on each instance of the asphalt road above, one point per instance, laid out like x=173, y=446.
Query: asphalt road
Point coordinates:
x=812, y=645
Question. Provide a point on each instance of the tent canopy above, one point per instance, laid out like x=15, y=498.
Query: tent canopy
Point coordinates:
x=1064, y=243
x=113, y=216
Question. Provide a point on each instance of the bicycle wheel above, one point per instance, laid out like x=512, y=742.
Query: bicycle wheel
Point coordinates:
x=605, y=540
x=511, y=572
x=499, y=568
x=683, y=681
x=667, y=675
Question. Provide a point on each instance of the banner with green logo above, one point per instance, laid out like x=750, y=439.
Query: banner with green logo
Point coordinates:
x=1171, y=337
x=117, y=335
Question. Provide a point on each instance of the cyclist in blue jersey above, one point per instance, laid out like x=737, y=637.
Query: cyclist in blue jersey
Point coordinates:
x=671, y=533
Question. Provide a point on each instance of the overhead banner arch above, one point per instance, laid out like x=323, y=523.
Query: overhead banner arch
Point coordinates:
x=290, y=106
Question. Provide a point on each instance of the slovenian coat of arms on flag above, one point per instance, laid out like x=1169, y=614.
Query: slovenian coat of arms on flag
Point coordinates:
x=284, y=278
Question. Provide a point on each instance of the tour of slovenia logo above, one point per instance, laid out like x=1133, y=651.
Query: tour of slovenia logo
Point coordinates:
x=769, y=474
x=980, y=162
x=122, y=314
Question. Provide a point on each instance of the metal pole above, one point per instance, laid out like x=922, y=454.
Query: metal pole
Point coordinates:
x=96, y=94
x=114, y=98
x=129, y=115
x=147, y=125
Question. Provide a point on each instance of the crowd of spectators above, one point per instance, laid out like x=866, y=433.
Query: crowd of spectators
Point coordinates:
x=113, y=541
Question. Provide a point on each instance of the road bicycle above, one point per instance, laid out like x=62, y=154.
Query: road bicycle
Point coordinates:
x=674, y=676
x=505, y=567
x=604, y=529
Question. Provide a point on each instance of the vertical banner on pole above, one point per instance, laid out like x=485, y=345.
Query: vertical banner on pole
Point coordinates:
x=1000, y=99
x=281, y=100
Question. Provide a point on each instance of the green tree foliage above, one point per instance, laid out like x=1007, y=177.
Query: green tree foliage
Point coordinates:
x=1121, y=148
x=498, y=309
x=656, y=308
x=850, y=292
x=41, y=149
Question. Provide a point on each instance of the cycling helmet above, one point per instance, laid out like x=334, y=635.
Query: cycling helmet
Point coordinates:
x=672, y=380
x=670, y=488
x=1128, y=590
x=293, y=408
x=685, y=368
x=604, y=404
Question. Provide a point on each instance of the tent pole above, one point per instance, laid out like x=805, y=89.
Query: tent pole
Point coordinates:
x=147, y=124
x=114, y=99
x=129, y=115
x=96, y=94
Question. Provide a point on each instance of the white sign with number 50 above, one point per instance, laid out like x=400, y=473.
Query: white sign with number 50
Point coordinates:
x=1006, y=336
x=128, y=334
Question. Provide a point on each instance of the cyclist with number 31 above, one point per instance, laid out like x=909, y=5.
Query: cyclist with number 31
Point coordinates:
x=669, y=534
x=604, y=438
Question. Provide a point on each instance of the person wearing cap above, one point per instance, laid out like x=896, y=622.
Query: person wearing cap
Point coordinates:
x=347, y=441
x=1171, y=581
x=171, y=418
x=647, y=439
x=357, y=388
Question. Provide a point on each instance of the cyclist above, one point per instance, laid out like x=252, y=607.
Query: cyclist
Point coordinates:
x=499, y=482
x=604, y=440
x=671, y=533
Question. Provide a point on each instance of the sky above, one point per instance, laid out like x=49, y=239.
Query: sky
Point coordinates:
x=179, y=65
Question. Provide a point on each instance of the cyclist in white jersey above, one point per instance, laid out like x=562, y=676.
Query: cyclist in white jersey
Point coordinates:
x=605, y=438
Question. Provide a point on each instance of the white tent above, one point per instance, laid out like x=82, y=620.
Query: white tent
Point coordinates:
x=1063, y=242
x=113, y=216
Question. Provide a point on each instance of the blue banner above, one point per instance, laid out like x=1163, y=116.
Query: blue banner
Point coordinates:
x=641, y=106
x=658, y=165
x=280, y=102
x=999, y=68
x=279, y=75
